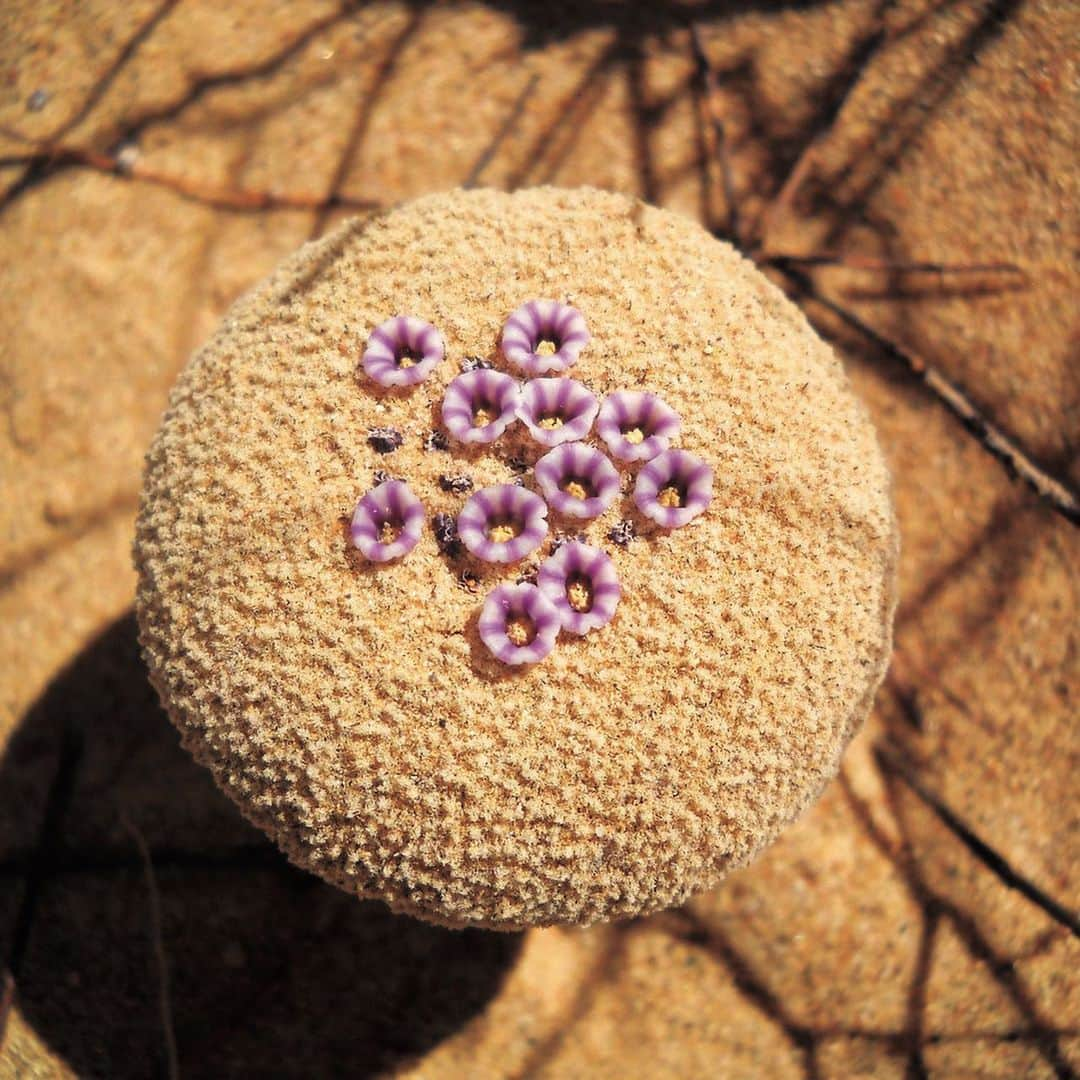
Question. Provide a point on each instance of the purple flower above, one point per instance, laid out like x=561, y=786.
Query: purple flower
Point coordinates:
x=479, y=405
x=402, y=351
x=557, y=410
x=577, y=480
x=387, y=522
x=636, y=425
x=519, y=624
x=673, y=488
x=544, y=336
x=503, y=523
x=580, y=581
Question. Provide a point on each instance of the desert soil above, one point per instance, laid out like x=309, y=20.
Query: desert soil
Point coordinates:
x=158, y=159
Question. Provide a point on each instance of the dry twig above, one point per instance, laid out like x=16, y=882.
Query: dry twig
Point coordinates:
x=892, y=762
x=1015, y=459
x=516, y=112
x=855, y=261
x=164, y=998
x=710, y=88
x=49, y=159
x=7, y=1003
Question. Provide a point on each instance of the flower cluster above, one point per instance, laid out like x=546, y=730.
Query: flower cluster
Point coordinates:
x=576, y=589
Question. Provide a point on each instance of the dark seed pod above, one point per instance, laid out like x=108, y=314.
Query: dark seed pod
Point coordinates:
x=446, y=535
x=385, y=440
x=622, y=533
x=468, y=581
x=475, y=363
x=458, y=485
x=436, y=440
x=565, y=538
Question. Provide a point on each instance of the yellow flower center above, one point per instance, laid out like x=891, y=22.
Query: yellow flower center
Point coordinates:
x=579, y=595
x=520, y=630
x=503, y=532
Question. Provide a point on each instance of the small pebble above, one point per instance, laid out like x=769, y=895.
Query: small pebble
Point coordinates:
x=436, y=440
x=125, y=153
x=37, y=100
x=622, y=533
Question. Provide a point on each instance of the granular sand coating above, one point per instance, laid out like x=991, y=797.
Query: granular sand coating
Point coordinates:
x=352, y=711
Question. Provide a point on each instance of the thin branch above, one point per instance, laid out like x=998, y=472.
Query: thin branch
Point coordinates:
x=687, y=926
x=7, y=1003
x=893, y=762
x=555, y=141
x=863, y=55
x=507, y=126
x=50, y=836
x=641, y=106
x=247, y=857
x=50, y=159
x=854, y=261
x=1016, y=461
x=919, y=987
x=164, y=999
x=362, y=119
x=903, y=858
x=711, y=90
x=793, y=183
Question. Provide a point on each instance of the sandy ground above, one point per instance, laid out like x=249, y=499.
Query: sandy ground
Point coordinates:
x=157, y=160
